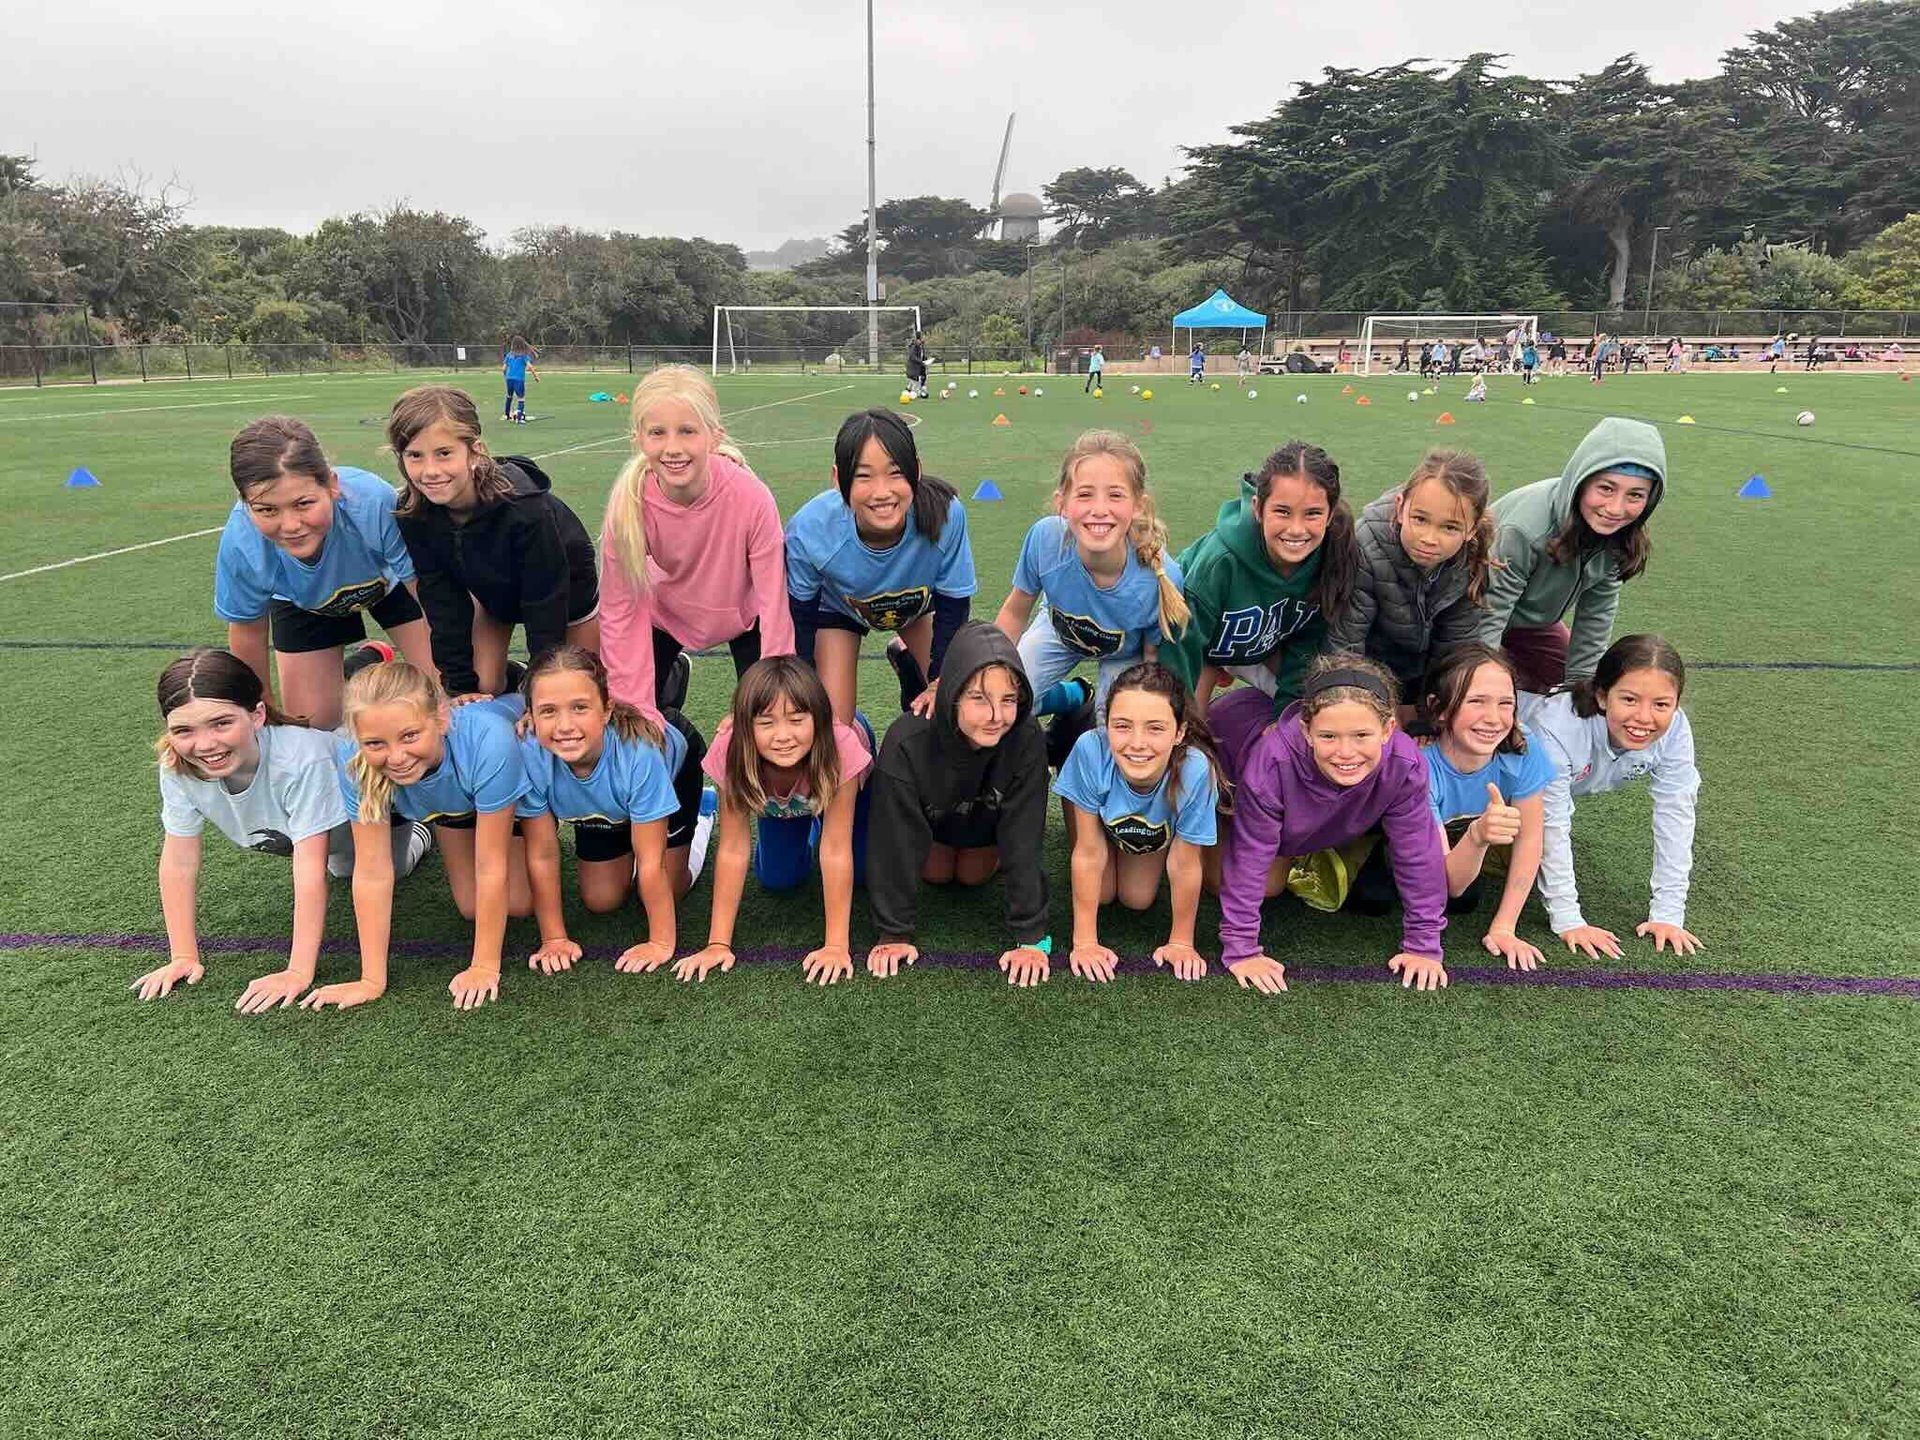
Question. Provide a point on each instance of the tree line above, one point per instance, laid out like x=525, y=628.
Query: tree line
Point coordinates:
x=1787, y=180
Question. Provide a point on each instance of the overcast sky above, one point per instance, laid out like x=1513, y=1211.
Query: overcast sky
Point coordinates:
x=738, y=120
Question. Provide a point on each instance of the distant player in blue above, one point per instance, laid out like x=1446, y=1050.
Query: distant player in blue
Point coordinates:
x=516, y=365
x=458, y=769
x=1110, y=592
x=306, y=550
x=1529, y=360
x=889, y=551
x=1197, y=364
x=1140, y=799
x=629, y=787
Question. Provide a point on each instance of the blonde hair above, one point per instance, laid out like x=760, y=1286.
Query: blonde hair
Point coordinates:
x=394, y=682
x=1148, y=531
x=623, y=532
x=623, y=719
x=766, y=683
x=426, y=405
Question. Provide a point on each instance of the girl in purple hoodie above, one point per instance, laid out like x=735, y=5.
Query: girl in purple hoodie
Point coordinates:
x=1331, y=768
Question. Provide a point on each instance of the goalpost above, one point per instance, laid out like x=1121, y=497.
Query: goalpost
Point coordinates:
x=1419, y=330
x=723, y=324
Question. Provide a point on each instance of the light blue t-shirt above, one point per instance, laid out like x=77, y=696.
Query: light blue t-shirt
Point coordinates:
x=883, y=589
x=632, y=782
x=1100, y=623
x=290, y=797
x=482, y=770
x=1139, y=824
x=1461, y=797
x=362, y=558
x=516, y=366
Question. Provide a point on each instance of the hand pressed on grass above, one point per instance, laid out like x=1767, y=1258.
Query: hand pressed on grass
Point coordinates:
x=268, y=992
x=156, y=983
x=1025, y=966
x=644, y=958
x=1683, y=941
x=884, y=960
x=1260, y=972
x=1093, y=961
x=1186, y=962
x=701, y=963
x=343, y=996
x=1592, y=942
x=1419, y=972
x=553, y=956
x=1518, y=954
x=474, y=987
x=828, y=965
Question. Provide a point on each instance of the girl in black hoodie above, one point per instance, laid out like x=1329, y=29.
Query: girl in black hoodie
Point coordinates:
x=492, y=546
x=959, y=795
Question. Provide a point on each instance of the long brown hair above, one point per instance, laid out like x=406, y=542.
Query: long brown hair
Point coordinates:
x=1632, y=547
x=1447, y=683
x=1148, y=533
x=767, y=683
x=1156, y=679
x=1317, y=694
x=1339, y=553
x=272, y=446
x=1626, y=655
x=624, y=720
x=1465, y=478
x=208, y=674
x=426, y=405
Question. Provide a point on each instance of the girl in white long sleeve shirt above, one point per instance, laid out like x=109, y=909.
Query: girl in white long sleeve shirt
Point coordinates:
x=1623, y=726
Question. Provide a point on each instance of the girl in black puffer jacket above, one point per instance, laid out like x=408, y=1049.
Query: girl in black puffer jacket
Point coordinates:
x=1424, y=555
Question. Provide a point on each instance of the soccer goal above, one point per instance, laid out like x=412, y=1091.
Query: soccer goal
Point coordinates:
x=1387, y=331
x=832, y=336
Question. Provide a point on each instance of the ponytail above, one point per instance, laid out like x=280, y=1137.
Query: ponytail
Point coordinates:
x=394, y=683
x=1149, y=536
x=623, y=530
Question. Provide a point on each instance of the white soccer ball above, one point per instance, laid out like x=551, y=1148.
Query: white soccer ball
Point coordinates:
x=1133, y=389
x=1253, y=394
x=1038, y=391
x=1299, y=399
x=1805, y=417
x=1413, y=395
x=973, y=394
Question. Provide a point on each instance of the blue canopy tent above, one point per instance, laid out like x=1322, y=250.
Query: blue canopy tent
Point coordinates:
x=1220, y=311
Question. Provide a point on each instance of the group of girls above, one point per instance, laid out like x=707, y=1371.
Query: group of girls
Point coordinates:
x=1398, y=709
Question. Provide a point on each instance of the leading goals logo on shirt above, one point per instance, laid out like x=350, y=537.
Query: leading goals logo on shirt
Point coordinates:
x=1081, y=633
x=351, y=599
x=1137, y=835
x=891, y=609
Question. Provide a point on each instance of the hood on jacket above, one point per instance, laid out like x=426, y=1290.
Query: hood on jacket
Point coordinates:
x=1238, y=527
x=1612, y=442
x=975, y=646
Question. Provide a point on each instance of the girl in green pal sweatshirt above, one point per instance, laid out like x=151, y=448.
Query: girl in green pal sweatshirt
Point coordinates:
x=1569, y=543
x=1262, y=587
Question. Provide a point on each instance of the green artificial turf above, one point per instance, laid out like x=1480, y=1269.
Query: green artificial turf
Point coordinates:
x=617, y=1205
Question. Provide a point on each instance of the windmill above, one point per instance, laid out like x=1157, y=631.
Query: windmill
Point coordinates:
x=1019, y=216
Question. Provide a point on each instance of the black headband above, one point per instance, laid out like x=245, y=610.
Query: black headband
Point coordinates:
x=1336, y=679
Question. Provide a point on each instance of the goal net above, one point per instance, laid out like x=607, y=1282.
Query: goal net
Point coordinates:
x=1381, y=336
x=811, y=337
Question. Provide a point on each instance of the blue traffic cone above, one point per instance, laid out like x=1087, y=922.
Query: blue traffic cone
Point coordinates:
x=82, y=479
x=987, y=490
x=1755, y=489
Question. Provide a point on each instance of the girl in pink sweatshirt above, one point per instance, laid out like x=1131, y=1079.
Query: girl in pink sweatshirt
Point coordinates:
x=691, y=549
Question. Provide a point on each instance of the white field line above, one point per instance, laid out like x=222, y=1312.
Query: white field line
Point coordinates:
x=147, y=409
x=195, y=534
x=746, y=410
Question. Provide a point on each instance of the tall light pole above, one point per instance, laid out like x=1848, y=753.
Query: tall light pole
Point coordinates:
x=1653, y=261
x=873, y=216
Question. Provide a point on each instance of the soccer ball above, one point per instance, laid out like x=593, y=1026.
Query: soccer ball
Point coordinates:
x=906, y=397
x=1299, y=399
x=1133, y=389
x=1038, y=391
x=1023, y=389
x=1253, y=394
x=1805, y=417
x=1098, y=393
x=1146, y=394
x=1413, y=395
x=1216, y=385
x=973, y=394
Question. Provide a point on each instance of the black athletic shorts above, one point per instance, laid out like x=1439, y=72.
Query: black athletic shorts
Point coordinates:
x=468, y=821
x=595, y=840
x=298, y=632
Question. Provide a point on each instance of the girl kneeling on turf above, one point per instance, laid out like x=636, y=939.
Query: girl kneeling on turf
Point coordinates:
x=1329, y=770
x=629, y=787
x=1486, y=776
x=781, y=758
x=267, y=784
x=493, y=545
x=691, y=553
x=1098, y=566
x=306, y=551
x=889, y=551
x=459, y=770
x=1140, y=797
x=1276, y=570
x=958, y=795
x=1623, y=725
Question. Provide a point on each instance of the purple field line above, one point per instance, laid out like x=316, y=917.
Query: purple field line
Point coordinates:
x=1576, y=979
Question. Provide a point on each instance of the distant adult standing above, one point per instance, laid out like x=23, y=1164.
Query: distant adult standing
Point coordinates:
x=1602, y=351
x=917, y=365
x=1096, y=370
x=1196, y=363
x=1400, y=368
x=1242, y=366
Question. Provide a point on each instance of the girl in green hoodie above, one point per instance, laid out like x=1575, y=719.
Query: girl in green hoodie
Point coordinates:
x=1279, y=564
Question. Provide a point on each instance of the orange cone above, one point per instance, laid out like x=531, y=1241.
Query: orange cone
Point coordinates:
x=1346, y=389
x=1446, y=418
x=1000, y=390
x=1363, y=400
x=1001, y=420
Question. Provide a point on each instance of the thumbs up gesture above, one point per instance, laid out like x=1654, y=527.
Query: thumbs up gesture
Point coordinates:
x=1499, y=823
